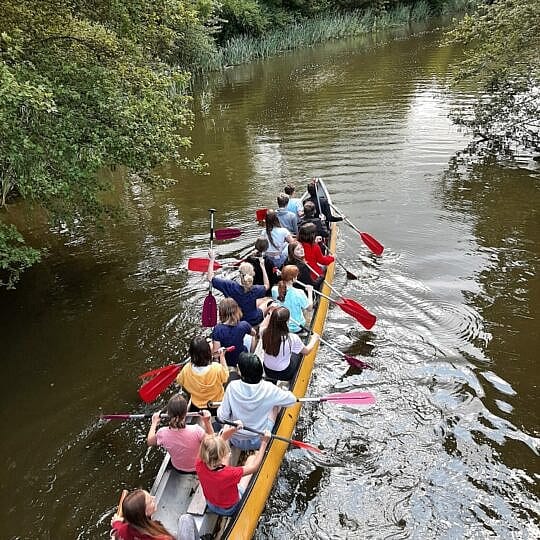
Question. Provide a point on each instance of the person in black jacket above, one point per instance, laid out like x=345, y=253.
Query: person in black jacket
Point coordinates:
x=261, y=246
x=309, y=217
x=296, y=258
x=322, y=208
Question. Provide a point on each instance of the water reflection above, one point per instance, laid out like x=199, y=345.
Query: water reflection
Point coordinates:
x=450, y=448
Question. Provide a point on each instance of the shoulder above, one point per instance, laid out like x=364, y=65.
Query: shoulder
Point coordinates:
x=244, y=326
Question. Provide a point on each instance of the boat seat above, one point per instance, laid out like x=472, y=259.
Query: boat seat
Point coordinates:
x=197, y=506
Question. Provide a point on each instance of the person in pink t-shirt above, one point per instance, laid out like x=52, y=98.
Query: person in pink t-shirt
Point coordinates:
x=180, y=440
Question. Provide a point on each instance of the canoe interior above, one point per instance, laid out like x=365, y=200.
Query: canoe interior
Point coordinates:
x=173, y=490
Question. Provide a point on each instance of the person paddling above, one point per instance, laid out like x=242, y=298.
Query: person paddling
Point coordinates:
x=223, y=485
x=292, y=298
x=307, y=236
x=202, y=378
x=180, y=440
x=250, y=297
x=231, y=331
x=296, y=258
x=136, y=521
x=253, y=401
x=282, y=348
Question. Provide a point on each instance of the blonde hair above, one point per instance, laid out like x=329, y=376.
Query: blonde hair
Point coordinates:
x=247, y=274
x=230, y=311
x=213, y=449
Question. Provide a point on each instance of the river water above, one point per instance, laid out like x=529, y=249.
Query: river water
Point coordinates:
x=450, y=450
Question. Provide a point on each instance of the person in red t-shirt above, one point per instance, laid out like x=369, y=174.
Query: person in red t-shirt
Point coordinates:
x=222, y=484
x=136, y=522
x=307, y=236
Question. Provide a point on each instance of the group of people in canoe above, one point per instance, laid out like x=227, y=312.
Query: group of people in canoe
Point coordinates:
x=264, y=312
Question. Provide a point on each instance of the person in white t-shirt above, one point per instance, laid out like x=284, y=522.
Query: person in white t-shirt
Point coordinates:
x=278, y=238
x=282, y=349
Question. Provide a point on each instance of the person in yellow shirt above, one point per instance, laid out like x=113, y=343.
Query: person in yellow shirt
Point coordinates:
x=202, y=378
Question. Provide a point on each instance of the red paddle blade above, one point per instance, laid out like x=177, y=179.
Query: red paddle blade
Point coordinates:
x=209, y=311
x=152, y=373
x=360, y=313
x=200, y=264
x=356, y=362
x=351, y=398
x=227, y=234
x=261, y=214
x=150, y=391
x=374, y=245
x=305, y=446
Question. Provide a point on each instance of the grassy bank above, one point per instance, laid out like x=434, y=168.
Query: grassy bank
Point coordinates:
x=243, y=49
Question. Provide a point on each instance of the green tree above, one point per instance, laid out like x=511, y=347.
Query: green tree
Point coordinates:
x=503, y=57
x=85, y=86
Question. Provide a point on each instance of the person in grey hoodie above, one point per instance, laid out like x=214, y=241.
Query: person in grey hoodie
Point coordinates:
x=253, y=401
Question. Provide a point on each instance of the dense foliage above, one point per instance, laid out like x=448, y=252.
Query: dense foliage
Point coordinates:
x=503, y=56
x=86, y=86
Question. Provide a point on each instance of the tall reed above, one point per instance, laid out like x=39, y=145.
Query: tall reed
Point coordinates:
x=242, y=49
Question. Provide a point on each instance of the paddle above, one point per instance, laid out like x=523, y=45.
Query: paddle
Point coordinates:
x=200, y=264
x=346, y=398
x=163, y=377
x=127, y=416
x=374, y=245
x=351, y=360
x=349, y=274
x=209, y=310
x=351, y=307
x=260, y=214
x=343, y=398
x=294, y=442
x=227, y=234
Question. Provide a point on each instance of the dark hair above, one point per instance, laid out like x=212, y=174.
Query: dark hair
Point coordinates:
x=177, y=409
x=134, y=511
x=289, y=189
x=290, y=252
x=271, y=221
x=312, y=188
x=261, y=245
x=307, y=233
x=309, y=209
x=282, y=200
x=250, y=367
x=277, y=331
x=199, y=351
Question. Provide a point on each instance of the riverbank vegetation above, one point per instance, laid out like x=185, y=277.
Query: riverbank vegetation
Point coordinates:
x=87, y=86
x=503, y=58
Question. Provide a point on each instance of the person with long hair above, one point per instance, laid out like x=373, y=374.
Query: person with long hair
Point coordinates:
x=253, y=401
x=282, y=348
x=231, y=330
x=278, y=237
x=292, y=298
x=136, y=521
x=297, y=258
x=250, y=297
x=180, y=440
x=202, y=378
x=223, y=485
x=307, y=236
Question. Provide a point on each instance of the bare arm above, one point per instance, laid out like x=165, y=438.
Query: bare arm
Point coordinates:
x=309, y=347
x=253, y=467
x=151, y=438
x=266, y=281
x=207, y=424
x=212, y=257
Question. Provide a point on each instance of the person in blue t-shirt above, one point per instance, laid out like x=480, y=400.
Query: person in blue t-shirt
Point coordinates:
x=231, y=331
x=288, y=219
x=249, y=297
x=293, y=299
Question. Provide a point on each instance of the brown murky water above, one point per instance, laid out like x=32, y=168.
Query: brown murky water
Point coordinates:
x=450, y=450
